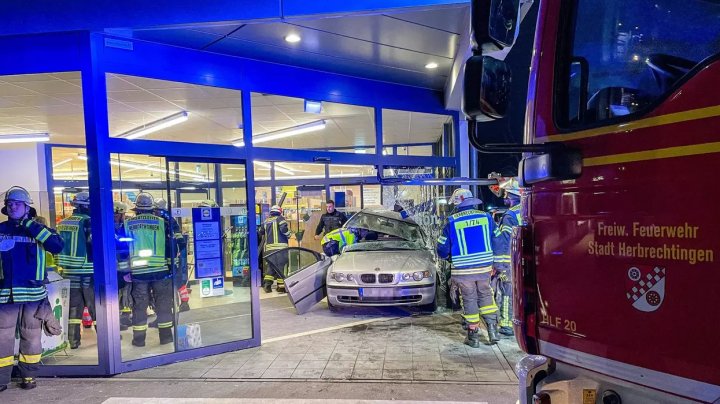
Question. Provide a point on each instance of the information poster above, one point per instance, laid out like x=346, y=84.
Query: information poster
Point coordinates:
x=207, y=242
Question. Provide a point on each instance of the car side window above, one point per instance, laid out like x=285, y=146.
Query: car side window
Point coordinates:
x=620, y=57
x=299, y=259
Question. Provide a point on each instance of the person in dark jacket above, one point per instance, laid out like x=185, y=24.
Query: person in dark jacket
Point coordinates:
x=23, y=243
x=330, y=221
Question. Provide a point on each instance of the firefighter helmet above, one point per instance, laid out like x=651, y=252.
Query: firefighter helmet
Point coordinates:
x=460, y=195
x=276, y=209
x=81, y=199
x=119, y=207
x=208, y=203
x=18, y=194
x=144, y=201
x=161, y=204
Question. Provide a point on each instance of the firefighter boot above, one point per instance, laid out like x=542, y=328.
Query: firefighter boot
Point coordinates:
x=125, y=321
x=28, y=383
x=464, y=324
x=138, y=338
x=473, y=338
x=281, y=286
x=74, y=336
x=492, y=333
x=267, y=286
x=166, y=335
x=507, y=331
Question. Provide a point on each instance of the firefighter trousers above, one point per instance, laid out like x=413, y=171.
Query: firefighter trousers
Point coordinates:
x=164, y=294
x=30, y=333
x=82, y=294
x=275, y=265
x=476, y=298
x=504, y=295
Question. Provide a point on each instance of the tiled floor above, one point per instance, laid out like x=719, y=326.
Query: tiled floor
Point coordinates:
x=417, y=348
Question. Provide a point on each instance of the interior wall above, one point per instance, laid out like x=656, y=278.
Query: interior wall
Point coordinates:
x=25, y=166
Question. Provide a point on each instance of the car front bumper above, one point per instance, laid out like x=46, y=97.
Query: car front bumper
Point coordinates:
x=410, y=295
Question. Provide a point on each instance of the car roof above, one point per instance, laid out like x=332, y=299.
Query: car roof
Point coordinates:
x=390, y=214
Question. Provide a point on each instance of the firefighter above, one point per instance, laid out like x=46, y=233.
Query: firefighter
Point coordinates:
x=123, y=265
x=330, y=220
x=509, y=190
x=275, y=233
x=150, y=269
x=23, y=243
x=334, y=242
x=180, y=275
x=466, y=241
x=77, y=264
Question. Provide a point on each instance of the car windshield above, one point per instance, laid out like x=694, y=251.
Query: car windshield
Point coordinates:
x=383, y=246
x=384, y=226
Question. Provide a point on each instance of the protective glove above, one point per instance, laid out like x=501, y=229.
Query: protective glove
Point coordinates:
x=50, y=325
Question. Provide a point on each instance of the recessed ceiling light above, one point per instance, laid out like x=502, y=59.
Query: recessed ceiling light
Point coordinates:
x=292, y=38
x=431, y=65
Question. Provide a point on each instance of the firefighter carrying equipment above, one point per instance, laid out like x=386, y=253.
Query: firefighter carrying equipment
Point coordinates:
x=275, y=233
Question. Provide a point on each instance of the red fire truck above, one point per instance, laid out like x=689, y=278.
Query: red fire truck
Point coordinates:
x=617, y=268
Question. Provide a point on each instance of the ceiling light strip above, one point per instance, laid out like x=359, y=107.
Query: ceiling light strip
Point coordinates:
x=155, y=126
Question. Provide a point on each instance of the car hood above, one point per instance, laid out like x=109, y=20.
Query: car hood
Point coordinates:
x=386, y=261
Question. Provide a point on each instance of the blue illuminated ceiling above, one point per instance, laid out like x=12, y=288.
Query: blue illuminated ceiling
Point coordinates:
x=393, y=47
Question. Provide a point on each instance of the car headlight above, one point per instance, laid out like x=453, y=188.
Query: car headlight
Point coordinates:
x=338, y=276
x=418, y=276
x=350, y=277
x=406, y=276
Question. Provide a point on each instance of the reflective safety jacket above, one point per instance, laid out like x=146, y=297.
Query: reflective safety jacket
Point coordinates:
x=276, y=232
x=330, y=221
x=149, y=244
x=76, y=256
x=503, y=235
x=22, y=259
x=342, y=236
x=122, y=248
x=467, y=241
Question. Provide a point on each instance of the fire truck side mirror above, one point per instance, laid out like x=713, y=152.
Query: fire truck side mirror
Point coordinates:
x=495, y=24
x=486, y=92
x=563, y=163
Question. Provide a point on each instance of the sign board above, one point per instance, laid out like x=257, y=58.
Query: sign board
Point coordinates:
x=210, y=287
x=207, y=242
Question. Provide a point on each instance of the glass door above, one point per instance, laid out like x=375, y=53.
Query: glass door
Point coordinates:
x=210, y=255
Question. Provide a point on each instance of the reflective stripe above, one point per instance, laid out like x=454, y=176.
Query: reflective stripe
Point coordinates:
x=44, y=235
x=442, y=239
x=489, y=309
x=7, y=361
x=469, y=271
x=472, y=318
x=505, y=316
x=165, y=325
x=140, y=327
x=29, y=358
x=75, y=321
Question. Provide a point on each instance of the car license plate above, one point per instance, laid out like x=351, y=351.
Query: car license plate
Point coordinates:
x=360, y=292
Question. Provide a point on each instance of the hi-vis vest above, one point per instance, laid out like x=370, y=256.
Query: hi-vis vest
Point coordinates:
x=467, y=239
x=276, y=233
x=503, y=234
x=342, y=236
x=147, y=248
x=74, y=256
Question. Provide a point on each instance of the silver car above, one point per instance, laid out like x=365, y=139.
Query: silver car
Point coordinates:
x=391, y=266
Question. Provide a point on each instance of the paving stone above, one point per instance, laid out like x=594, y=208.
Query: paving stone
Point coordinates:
x=422, y=366
x=371, y=356
x=397, y=374
x=248, y=373
x=264, y=356
x=431, y=375
x=340, y=365
x=230, y=362
x=368, y=364
x=337, y=373
x=457, y=366
x=253, y=364
x=220, y=373
x=460, y=375
x=278, y=373
x=426, y=358
x=455, y=358
x=291, y=356
x=307, y=364
x=367, y=374
x=317, y=356
x=337, y=356
x=398, y=365
x=307, y=373
x=496, y=376
x=283, y=364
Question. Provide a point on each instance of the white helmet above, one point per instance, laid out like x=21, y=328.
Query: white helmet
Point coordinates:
x=207, y=203
x=144, y=201
x=460, y=195
x=119, y=207
x=19, y=194
x=161, y=204
x=276, y=209
x=511, y=186
x=81, y=199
